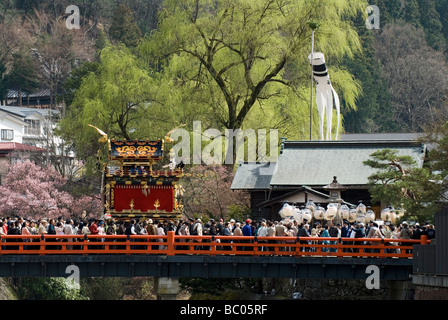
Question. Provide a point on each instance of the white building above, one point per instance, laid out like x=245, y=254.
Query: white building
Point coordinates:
x=12, y=127
x=34, y=127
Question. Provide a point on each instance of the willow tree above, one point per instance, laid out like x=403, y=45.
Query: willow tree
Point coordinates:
x=115, y=98
x=240, y=62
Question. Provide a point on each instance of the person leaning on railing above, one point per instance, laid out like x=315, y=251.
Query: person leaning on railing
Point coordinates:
x=280, y=231
x=386, y=232
x=51, y=231
x=247, y=232
x=197, y=230
x=25, y=232
x=375, y=232
x=262, y=231
x=304, y=233
x=161, y=232
x=111, y=231
x=333, y=231
x=314, y=234
x=42, y=227
x=151, y=228
x=2, y=233
x=290, y=232
x=345, y=233
x=325, y=234
x=85, y=231
x=237, y=232
x=183, y=230
x=271, y=234
x=359, y=234
x=213, y=231
x=405, y=233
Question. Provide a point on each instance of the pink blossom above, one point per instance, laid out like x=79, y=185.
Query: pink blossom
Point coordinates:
x=36, y=192
x=208, y=193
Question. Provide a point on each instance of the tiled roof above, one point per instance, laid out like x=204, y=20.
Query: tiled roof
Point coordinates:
x=26, y=112
x=13, y=94
x=253, y=176
x=393, y=136
x=315, y=163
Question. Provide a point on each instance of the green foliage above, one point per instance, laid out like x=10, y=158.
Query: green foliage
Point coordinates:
x=118, y=288
x=411, y=13
x=48, y=289
x=390, y=10
x=124, y=28
x=74, y=81
x=23, y=75
x=430, y=21
x=400, y=183
x=113, y=96
x=238, y=212
x=238, y=64
x=89, y=289
x=438, y=155
x=437, y=137
x=442, y=8
x=209, y=59
x=27, y=5
x=102, y=41
x=231, y=61
x=3, y=83
x=374, y=112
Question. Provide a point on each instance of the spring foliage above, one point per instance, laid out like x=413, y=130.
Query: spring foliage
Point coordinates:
x=34, y=192
x=399, y=182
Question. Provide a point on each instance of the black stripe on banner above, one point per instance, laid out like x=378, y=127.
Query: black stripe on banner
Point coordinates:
x=320, y=68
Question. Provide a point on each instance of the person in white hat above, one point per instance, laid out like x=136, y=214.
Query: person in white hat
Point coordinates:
x=197, y=228
x=197, y=231
x=43, y=227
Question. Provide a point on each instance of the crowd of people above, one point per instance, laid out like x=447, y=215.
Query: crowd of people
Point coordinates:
x=196, y=227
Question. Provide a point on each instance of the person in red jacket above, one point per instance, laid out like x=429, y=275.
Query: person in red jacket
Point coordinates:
x=93, y=230
x=93, y=227
x=5, y=226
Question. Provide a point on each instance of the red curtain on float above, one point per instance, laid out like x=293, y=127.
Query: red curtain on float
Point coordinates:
x=123, y=195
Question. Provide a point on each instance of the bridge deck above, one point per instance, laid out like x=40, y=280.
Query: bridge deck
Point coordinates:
x=202, y=266
x=206, y=256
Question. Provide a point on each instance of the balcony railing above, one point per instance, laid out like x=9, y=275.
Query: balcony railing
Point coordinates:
x=172, y=244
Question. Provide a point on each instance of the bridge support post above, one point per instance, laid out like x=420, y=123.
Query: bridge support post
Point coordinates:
x=400, y=290
x=166, y=288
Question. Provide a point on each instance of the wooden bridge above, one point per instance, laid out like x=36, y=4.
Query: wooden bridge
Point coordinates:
x=205, y=256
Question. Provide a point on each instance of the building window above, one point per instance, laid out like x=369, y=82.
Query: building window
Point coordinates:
x=33, y=127
x=7, y=134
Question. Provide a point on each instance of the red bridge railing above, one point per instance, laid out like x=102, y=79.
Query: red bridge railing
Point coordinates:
x=171, y=244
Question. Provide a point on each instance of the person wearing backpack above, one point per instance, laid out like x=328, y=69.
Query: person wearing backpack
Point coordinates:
x=197, y=231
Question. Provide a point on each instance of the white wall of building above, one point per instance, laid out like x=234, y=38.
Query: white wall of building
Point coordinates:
x=10, y=124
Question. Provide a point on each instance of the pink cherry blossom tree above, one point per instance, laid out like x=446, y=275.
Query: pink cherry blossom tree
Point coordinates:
x=36, y=192
x=207, y=193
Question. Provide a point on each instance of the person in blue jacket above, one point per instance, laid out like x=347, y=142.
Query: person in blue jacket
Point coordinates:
x=325, y=234
x=247, y=231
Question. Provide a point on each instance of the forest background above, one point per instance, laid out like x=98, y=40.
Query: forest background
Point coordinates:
x=139, y=68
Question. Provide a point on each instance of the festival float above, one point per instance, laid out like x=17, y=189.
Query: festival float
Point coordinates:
x=133, y=188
